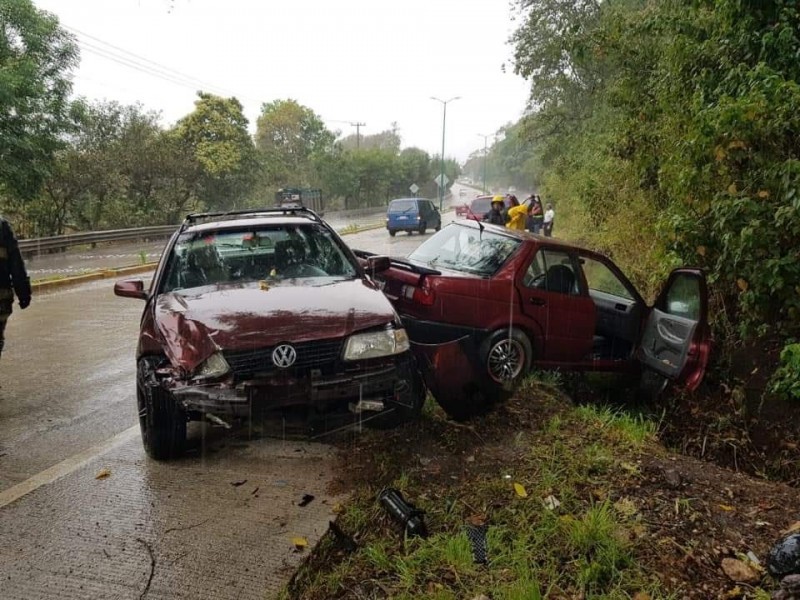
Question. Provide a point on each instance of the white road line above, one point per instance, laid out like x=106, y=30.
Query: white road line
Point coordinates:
x=65, y=467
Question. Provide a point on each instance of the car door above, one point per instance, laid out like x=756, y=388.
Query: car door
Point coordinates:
x=675, y=342
x=551, y=293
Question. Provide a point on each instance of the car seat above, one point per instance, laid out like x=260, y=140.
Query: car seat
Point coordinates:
x=289, y=253
x=203, y=266
x=560, y=279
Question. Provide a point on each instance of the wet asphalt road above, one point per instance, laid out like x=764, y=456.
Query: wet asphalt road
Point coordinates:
x=67, y=413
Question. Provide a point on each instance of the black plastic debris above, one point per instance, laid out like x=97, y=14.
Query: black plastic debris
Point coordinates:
x=477, y=537
x=306, y=500
x=405, y=513
x=341, y=539
x=238, y=483
x=784, y=558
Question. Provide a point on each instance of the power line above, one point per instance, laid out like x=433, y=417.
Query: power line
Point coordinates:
x=358, y=127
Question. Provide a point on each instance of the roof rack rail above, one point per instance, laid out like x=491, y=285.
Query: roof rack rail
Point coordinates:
x=193, y=218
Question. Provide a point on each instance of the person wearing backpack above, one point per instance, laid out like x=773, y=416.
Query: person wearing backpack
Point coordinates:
x=13, y=277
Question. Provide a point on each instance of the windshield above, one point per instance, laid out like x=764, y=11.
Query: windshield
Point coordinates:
x=268, y=253
x=459, y=248
x=402, y=205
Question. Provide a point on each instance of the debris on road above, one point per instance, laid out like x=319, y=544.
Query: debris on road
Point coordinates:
x=477, y=537
x=739, y=571
x=238, y=483
x=521, y=491
x=306, y=500
x=103, y=474
x=405, y=513
x=790, y=588
x=551, y=502
x=784, y=557
x=344, y=541
x=300, y=543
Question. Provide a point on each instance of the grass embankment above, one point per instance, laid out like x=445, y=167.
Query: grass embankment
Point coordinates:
x=605, y=512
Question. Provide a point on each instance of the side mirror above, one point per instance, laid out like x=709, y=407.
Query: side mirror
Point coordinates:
x=378, y=264
x=130, y=288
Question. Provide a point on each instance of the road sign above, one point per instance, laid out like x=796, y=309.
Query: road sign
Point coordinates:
x=439, y=179
x=414, y=188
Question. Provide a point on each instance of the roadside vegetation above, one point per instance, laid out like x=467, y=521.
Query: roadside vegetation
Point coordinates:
x=575, y=501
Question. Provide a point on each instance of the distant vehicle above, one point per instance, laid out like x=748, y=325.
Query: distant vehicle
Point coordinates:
x=297, y=197
x=231, y=327
x=412, y=214
x=475, y=210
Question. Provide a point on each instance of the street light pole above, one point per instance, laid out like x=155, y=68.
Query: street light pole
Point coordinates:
x=441, y=169
x=485, y=155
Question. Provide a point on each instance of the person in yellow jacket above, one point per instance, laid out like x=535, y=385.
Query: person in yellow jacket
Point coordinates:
x=517, y=215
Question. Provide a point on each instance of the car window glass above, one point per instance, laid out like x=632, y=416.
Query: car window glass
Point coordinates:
x=552, y=271
x=402, y=206
x=269, y=253
x=466, y=249
x=601, y=278
x=481, y=205
x=683, y=297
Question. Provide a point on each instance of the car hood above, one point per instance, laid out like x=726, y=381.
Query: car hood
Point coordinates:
x=194, y=324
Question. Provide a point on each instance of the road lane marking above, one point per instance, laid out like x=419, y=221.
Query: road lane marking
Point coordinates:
x=65, y=467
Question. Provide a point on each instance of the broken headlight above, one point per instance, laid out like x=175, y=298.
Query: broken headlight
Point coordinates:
x=376, y=344
x=211, y=368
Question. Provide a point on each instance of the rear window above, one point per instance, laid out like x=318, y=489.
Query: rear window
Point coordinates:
x=402, y=205
x=481, y=206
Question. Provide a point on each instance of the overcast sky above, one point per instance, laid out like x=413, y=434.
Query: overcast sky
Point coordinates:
x=372, y=61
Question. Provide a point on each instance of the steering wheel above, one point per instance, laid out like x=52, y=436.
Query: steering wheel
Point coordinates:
x=303, y=270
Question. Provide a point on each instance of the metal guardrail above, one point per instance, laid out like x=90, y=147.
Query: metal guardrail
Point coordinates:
x=57, y=242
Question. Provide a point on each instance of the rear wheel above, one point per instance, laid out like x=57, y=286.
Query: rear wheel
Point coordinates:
x=507, y=357
x=439, y=226
x=161, y=419
x=422, y=227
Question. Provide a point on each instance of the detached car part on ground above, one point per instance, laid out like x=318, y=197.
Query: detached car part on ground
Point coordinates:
x=483, y=304
x=266, y=311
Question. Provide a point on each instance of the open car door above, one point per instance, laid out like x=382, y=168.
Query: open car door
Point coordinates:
x=676, y=339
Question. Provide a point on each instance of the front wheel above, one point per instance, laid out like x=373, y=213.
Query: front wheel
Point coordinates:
x=422, y=227
x=392, y=232
x=439, y=226
x=506, y=355
x=161, y=419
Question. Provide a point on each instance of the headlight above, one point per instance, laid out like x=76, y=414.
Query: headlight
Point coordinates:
x=376, y=344
x=214, y=366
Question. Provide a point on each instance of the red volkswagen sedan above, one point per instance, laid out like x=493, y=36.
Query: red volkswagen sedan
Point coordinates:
x=483, y=304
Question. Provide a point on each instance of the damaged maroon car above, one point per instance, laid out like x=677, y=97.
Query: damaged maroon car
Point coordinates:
x=484, y=304
x=263, y=311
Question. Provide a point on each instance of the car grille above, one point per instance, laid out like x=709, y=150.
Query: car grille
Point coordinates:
x=320, y=355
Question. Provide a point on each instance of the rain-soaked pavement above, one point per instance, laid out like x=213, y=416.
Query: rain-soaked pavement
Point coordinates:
x=217, y=524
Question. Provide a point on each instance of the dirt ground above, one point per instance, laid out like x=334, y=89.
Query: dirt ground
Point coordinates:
x=676, y=518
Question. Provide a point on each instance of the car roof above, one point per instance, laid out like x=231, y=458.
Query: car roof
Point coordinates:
x=277, y=219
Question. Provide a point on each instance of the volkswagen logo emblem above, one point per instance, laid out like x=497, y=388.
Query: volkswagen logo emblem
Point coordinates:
x=284, y=356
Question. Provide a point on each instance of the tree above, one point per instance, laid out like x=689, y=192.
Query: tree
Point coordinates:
x=289, y=136
x=214, y=136
x=36, y=56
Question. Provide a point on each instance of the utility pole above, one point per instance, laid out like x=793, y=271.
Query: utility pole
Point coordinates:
x=485, y=156
x=441, y=169
x=358, y=127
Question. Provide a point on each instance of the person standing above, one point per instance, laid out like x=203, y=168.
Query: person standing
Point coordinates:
x=536, y=215
x=517, y=214
x=496, y=215
x=13, y=277
x=549, y=217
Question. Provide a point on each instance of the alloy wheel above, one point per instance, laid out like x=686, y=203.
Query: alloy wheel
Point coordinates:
x=506, y=360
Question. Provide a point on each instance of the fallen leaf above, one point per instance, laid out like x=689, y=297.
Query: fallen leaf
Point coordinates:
x=477, y=520
x=299, y=542
x=103, y=474
x=701, y=250
x=625, y=507
x=338, y=508
x=641, y=596
x=732, y=189
x=520, y=489
x=739, y=571
x=738, y=144
x=742, y=283
x=726, y=507
x=763, y=194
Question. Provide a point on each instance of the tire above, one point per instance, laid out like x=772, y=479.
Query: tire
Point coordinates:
x=392, y=232
x=422, y=228
x=162, y=420
x=439, y=226
x=506, y=358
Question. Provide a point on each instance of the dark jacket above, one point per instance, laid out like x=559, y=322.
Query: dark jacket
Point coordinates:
x=495, y=217
x=12, y=268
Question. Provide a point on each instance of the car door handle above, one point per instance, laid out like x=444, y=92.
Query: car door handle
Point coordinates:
x=537, y=301
x=620, y=307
